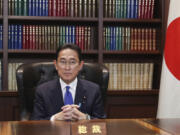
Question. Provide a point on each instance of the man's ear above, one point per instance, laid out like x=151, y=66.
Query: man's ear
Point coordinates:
x=81, y=64
x=55, y=64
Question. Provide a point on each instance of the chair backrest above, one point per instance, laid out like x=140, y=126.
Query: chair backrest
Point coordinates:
x=29, y=76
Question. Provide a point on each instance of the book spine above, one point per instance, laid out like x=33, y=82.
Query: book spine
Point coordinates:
x=152, y=9
x=20, y=37
x=150, y=79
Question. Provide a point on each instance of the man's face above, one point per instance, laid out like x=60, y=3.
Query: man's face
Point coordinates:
x=68, y=65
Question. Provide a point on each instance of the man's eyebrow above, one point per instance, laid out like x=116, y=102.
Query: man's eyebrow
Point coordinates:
x=69, y=59
x=72, y=59
x=62, y=59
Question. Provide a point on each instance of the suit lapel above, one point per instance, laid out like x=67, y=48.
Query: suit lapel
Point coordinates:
x=58, y=98
x=80, y=97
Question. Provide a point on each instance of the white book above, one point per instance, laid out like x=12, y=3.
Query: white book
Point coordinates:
x=150, y=76
x=137, y=76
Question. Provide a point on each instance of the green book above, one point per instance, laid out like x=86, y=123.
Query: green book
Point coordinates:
x=15, y=7
x=121, y=9
x=125, y=9
x=120, y=38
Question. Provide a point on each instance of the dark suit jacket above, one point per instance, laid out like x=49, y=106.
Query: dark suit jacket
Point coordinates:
x=49, y=99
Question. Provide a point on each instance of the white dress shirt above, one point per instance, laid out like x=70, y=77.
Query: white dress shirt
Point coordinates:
x=72, y=86
x=72, y=89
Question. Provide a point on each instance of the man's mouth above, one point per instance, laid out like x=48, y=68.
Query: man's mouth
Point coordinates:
x=67, y=73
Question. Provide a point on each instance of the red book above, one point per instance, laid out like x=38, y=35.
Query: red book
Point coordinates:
x=85, y=38
x=57, y=7
x=52, y=7
x=132, y=39
x=135, y=39
x=152, y=9
x=65, y=8
x=150, y=39
x=146, y=39
x=82, y=38
x=30, y=37
x=36, y=37
x=77, y=35
x=154, y=39
x=149, y=9
x=145, y=9
x=23, y=36
x=140, y=14
x=33, y=37
x=142, y=39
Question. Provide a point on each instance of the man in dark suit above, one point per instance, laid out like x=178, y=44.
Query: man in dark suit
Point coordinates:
x=68, y=98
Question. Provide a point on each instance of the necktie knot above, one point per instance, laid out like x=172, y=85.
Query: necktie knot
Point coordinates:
x=67, y=88
x=68, y=100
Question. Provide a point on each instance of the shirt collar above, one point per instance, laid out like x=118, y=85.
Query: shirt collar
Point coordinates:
x=72, y=85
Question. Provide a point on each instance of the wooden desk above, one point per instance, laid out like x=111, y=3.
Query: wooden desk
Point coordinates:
x=113, y=126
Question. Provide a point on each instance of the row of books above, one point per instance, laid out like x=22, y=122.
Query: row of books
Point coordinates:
x=12, y=66
x=123, y=76
x=130, y=76
x=143, y=9
x=73, y=8
x=44, y=37
x=128, y=38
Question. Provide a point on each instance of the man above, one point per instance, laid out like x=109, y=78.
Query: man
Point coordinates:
x=68, y=98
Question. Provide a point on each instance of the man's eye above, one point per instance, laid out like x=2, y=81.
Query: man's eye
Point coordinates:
x=72, y=62
x=62, y=62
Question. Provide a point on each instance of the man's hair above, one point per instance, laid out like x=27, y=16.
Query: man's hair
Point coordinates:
x=69, y=46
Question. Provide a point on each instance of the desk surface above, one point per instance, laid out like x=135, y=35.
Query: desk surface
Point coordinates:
x=113, y=126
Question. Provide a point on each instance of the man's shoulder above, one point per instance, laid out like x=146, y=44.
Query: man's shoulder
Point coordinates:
x=88, y=84
x=48, y=85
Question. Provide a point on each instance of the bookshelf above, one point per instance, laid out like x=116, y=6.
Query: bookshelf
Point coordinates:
x=122, y=101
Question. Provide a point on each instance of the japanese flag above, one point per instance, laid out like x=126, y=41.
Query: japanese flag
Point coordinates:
x=169, y=96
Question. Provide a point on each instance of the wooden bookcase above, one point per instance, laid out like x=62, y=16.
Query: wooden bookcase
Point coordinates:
x=119, y=103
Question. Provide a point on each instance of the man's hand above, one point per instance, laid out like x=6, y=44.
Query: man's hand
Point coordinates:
x=78, y=115
x=70, y=112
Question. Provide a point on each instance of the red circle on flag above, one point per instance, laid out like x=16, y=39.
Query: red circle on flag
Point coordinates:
x=172, y=48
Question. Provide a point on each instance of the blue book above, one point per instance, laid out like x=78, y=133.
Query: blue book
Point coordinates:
x=46, y=8
x=132, y=9
x=128, y=9
x=122, y=38
x=29, y=7
x=15, y=37
x=39, y=8
x=9, y=36
x=111, y=38
x=20, y=37
x=43, y=10
x=68, y=34
x=34, y=7
x=73, y=34
x=114, y=38
x=12, y=37
x=136, y=8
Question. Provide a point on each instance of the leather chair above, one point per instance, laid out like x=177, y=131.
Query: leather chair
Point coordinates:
x=29, y=76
